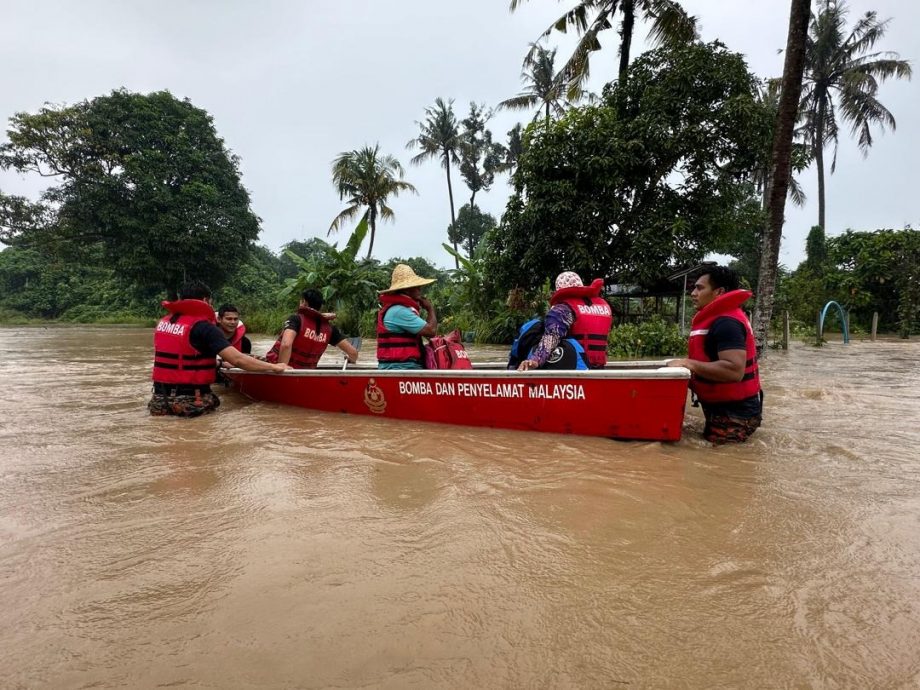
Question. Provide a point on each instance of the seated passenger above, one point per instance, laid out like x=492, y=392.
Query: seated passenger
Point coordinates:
x=568, y=354
x=228, y=320
x=399, y=326
x=576, y=312
x=306, y=334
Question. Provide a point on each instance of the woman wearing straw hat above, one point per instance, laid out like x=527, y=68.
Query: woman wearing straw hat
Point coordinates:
x=399, y=325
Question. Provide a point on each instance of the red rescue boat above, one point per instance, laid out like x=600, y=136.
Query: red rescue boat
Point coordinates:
x=628, y=400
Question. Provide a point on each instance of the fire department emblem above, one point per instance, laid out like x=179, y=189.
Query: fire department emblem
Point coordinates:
x=373, y=398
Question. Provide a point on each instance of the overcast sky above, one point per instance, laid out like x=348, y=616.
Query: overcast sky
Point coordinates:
x=292, y=84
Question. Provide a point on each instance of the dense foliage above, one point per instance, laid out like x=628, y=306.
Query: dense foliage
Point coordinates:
x=866, y=272
x=472, y=224
x=653, y=338
x=141, y=184
x=630, y=194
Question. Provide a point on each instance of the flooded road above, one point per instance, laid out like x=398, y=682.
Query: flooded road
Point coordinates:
x=264, y=546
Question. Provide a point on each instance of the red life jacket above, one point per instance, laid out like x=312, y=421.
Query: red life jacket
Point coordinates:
x=237, y=336
x=310, y=342
x=175, y=361
x=397, y=347
x=593, y=319
x=728, y=304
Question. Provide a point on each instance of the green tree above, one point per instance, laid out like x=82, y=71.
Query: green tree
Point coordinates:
x=141, y=181
x=39, y=284
x=480, y=157
x=439, y=137
x=879, y=272
x=842, y=78
x=629, y=193
x=348, y=284
x=670, y=26
x=744, y=245
x=472, y=224
x=543, y=91
x=816, y=256
x=304, y=249
x=781, y=166
x=514, y=149
x=367, y=180
x=422, y=266
x=255, y=284
x=812, y=284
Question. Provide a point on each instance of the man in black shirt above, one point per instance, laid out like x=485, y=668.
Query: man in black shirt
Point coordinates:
x=228, y=318
x=310, y=301
x=723, y=358
x=187, y=342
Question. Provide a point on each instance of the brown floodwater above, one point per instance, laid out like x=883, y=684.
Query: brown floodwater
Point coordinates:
x=265, y=546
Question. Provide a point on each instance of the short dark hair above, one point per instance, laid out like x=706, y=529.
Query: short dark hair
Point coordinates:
x=314, y=298
x=194, y=289
x=721, y=277
x=225, y=308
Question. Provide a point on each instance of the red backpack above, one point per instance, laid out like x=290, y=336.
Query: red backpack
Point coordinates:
x=446, y=352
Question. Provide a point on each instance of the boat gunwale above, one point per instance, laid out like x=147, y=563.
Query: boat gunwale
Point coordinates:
x=660, y=372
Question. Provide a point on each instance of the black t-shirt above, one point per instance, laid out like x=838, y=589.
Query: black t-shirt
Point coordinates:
x=207, y=338
x=245, y=345
x=726, y=333
x=293, y=324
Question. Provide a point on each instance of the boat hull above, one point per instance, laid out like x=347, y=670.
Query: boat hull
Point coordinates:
x=626, y=404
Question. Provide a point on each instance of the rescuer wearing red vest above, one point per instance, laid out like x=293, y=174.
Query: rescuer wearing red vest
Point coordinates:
x=228, y=319
x=186, y=344
x=306, y=335
x=722, y=358
x=579, y=312
x=400, y=326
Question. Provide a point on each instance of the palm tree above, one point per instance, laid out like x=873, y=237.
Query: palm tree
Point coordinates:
x=781, y=167
x=840, y=64
x=366, y=179
x=768, y=93
x=543, y=89
x=670, y=24
x=439, y=137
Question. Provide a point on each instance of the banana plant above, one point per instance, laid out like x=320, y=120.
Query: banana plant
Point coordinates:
x=348, y=284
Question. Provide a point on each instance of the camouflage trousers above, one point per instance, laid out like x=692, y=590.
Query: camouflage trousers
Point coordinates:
x=723, y=428
x=191, y=405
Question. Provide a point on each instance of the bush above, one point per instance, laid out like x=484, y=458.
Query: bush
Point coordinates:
x=267, y=320
x=13, y=317
x=653, y=338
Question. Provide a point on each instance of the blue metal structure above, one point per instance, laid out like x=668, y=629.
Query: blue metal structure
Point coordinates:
x=843, y=321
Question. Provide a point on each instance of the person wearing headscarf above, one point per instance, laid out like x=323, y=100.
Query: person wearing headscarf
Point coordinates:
x=576, y=311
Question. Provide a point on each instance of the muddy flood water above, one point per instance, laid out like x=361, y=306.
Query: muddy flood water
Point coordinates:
x=273, y=547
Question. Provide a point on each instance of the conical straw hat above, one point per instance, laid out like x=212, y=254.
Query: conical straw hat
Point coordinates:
x=404, y=277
